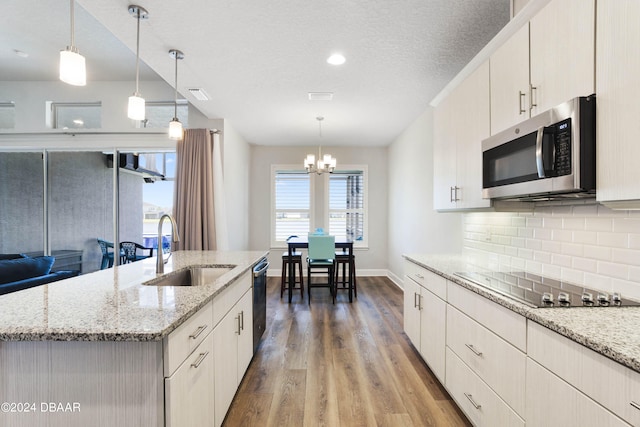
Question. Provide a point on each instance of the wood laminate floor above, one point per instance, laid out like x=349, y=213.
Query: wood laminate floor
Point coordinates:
x=340, y=365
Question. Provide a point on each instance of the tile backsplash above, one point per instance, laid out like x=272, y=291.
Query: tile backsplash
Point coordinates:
x=585, y=244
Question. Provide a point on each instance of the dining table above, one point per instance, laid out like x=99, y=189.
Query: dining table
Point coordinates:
x=302, y=242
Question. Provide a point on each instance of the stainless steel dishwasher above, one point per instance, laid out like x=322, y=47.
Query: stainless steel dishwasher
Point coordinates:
x=259, y=301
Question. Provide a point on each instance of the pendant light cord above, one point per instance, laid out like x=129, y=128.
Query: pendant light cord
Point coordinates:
x=73, y=42
x=138, y=52
x=175, y=99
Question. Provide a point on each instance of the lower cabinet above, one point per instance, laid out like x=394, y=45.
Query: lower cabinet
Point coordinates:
x=476, y=399
x=552, y=402
x=189, y=391
x=233, y=350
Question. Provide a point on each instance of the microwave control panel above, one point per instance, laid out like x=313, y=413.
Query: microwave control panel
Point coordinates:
x=562, y=160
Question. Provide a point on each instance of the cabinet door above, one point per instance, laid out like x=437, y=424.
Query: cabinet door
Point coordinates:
x=189, y=391
x=411, y=313
x=562, y=40
x=472, y=126
x=444, y=154
x=225, y=351
x=433, y=315
x=552, y=402
x=618, y=91
x=245, y=339
x=509, y=78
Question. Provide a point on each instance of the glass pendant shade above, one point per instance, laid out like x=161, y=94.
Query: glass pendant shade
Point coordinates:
x=72, y=68
x=175, y=129
x=136, y=107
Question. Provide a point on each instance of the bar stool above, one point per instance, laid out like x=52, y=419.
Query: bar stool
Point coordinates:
x=342, y=259
x=296, y=258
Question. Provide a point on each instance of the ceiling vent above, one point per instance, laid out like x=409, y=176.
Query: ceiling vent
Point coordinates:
x=199, y=94
x=320, y=96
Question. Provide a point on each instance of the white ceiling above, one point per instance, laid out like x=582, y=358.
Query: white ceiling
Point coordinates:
x=258, y=59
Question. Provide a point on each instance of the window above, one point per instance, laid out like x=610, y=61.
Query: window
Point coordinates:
x=291, y=204
x=346, y=205
x=75, y=115
x=341, y=203
x=159, y=114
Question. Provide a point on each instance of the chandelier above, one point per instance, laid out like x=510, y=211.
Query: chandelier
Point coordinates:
x=326, y=163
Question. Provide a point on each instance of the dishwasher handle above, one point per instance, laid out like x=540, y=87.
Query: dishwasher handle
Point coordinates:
x=260, y=268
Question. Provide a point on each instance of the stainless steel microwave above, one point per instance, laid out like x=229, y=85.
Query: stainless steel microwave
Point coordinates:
x=547, y=157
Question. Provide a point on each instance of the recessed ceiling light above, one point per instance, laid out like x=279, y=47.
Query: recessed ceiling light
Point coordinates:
x=336, y=59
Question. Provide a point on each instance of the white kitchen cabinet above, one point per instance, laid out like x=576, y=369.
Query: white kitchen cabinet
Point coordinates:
x=476, y=399
x=607, y=382
x=495, y=361
x=189, y=391
x=461, y=122
x=233, y=350
x=547, y=62
x=552, y=402
x=425, y=316
x=617, y=89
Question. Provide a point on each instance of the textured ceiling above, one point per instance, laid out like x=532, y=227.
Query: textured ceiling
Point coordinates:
x=258, y=59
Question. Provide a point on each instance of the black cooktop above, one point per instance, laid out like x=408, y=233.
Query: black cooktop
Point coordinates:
x=543, y=292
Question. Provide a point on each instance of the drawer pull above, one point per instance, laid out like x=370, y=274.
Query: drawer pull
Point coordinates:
x=473, y=402
x=635, y=405
x=199, y=359
x=415, y=300
x=472, y=348
x=198, y=332
x=239, y=329
x=419, y=276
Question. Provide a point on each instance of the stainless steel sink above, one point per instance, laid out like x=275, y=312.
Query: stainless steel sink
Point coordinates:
x=193, y=276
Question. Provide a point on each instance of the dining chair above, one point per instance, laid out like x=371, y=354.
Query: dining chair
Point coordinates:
x=129, y=252
x=321, y=259
x=107, y=256
x=296, y=261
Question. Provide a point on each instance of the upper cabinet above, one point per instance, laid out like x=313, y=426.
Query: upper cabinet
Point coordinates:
x=547, y=62
x=461, y=122
x=618, y=91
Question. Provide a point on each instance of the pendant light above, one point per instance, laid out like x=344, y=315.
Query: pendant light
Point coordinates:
x=175, y=127
x=326, y=163
x=136, y=110
x=72, y=65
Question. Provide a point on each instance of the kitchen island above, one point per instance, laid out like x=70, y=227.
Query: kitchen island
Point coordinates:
x=107, y=349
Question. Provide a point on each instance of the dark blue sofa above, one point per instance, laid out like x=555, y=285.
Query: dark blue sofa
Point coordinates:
x=18, y=271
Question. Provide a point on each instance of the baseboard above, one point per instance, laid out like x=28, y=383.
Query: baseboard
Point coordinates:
x=372, y=272
x=396, y=280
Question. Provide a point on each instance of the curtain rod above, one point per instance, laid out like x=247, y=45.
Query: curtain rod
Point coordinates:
x=79, y=133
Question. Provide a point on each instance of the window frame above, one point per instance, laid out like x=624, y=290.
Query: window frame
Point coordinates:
x=293, y=169
x=364, y=243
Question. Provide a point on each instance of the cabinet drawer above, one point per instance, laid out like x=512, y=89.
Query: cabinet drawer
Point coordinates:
x=475, y=398
x=609, y=383
x=181, y=342
x=223, y=302
x=425, y=278
x=189, y=391
x=495, y=361
x=551, y=402
x=505, y=323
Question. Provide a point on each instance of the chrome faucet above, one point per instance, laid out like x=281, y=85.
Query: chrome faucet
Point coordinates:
x=175, y=236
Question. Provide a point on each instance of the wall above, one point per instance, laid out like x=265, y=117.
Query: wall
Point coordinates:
x=369, y=261
x=414, y=227
x=583, y=244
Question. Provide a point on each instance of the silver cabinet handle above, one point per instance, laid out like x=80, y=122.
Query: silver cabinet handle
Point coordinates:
x=415, y=300
x=532, y=88
x=242, y=320
x=635, y=405
x=473, y=402
x=199, y=359
x=472, y=348
x=451, y=194
x=198, y=332
x=238, y=318
x=455, y=194
x=419, y=302
x=520, y=96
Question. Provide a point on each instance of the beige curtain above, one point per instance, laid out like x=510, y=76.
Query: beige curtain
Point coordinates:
x=193, y=196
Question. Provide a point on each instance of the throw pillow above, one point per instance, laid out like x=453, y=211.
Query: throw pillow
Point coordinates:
x=12, y=256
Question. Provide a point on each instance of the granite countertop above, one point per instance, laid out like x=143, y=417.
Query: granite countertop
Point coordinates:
x=612, y=332
x=114, y=304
